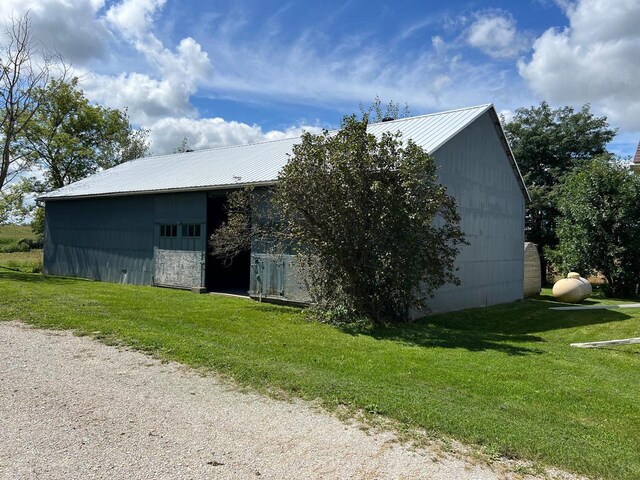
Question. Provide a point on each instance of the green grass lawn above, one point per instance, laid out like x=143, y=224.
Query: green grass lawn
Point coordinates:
x=503, y=378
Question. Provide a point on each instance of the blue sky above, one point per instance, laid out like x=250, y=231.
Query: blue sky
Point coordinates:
x=234, y=72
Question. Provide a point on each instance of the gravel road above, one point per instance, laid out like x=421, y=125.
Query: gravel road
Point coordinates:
x=73, y=408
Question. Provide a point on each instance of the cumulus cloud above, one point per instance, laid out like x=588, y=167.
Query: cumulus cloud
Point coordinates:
x=172, y=76
x=134, y=17
x=146, y=98
x=595, y=59
x=68, y=28
x=167, y=133
x=495, y=34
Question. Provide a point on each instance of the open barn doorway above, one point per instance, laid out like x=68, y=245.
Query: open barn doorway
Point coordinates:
x=221, y=277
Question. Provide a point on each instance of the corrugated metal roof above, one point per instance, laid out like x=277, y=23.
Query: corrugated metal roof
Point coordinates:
x=257, y=163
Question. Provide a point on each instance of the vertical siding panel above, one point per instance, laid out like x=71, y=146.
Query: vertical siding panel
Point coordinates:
x=475, y=169
x=98, y=238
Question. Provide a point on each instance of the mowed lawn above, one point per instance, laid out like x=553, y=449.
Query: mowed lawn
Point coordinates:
x=503, y=378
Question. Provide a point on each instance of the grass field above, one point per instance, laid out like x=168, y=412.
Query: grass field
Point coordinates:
x=503, y=378
x=10, y=236
x=15, y=232
x=10, y=258
x=28, y=262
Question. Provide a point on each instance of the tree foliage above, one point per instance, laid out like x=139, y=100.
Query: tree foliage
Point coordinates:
x=183, y=146
x=373, y=231
x=599, y=224
x=235, y=234
x=379, y=112
x=548, y=143
x=377, y=231
x=70, y=138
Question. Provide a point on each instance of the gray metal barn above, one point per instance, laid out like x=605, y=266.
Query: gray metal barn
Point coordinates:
x=146, y=222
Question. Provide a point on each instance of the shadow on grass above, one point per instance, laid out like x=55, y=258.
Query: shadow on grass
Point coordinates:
x=426, y=334
x=506, y=328
x=522, y=318
x=24, y=277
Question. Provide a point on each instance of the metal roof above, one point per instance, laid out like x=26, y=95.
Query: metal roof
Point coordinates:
x=253, y=164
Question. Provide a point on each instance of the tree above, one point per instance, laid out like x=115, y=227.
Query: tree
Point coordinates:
x=69, y=138
x=378, y=231
x=183, y=146
x=547, y=144
x=23, y=70
x=599, y=224
x=236, y=234
x=391, y=110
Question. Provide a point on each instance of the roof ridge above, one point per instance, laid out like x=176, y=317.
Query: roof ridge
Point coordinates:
x=433, y=114
x=220, y=147
x=225, y=147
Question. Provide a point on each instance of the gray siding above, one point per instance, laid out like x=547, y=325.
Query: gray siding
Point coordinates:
x=117, y=239
x=108, y=239
x=476, y=171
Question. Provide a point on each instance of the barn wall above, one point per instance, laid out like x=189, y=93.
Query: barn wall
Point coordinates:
x=117, y=239
x=108, y=239
x=476, y=171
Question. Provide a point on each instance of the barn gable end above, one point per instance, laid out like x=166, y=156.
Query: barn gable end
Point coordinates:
x=477, y=171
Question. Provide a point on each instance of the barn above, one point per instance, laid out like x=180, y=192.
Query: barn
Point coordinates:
x=146, y=222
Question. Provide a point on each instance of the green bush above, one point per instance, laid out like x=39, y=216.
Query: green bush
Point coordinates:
x=14, y=247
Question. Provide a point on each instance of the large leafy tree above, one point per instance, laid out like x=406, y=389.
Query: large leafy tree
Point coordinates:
x=70, y=138
x=377, y=229
x=599, y=224
x=373, y=230
x=547, y=144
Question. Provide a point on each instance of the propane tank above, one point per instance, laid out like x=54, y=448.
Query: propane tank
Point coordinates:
x=573, y=289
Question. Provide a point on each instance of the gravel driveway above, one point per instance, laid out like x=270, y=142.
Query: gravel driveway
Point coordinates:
x=71, y=407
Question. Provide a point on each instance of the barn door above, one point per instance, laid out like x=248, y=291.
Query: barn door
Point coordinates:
x=179, y=255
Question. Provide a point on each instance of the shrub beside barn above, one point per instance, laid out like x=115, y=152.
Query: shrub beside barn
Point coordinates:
x=146, y=222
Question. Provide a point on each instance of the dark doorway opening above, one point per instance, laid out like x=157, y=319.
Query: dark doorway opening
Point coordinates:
x=233, y=278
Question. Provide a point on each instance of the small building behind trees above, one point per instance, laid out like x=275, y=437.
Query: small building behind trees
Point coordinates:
x=147, y=221
x=635, y=165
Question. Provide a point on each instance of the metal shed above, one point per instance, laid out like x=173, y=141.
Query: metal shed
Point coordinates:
x=146, y=221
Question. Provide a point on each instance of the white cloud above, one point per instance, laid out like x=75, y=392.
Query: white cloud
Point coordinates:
x=495, y=34
x=595, y=59
x=167, y=134
x=134, y=17
x=68, y=28
x=178, y=73
x=146, y=98
x=306, y=72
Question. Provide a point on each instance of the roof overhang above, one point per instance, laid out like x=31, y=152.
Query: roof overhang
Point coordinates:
x=205, y=188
